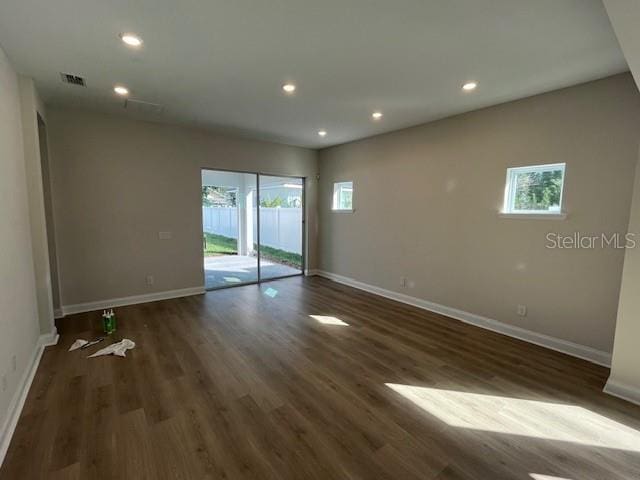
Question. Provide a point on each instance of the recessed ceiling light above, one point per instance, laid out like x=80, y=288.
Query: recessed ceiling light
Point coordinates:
x=322, y=133
x=376, y=115
x=131, y=39
x=120, y=90
x=289, y=87
x=469, y=86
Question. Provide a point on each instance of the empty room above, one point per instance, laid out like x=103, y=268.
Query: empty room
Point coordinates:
x=337, y=240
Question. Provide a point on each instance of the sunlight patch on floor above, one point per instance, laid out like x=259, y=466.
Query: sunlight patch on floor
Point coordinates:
x=552, y=421
x=538, y=476
x=326, y=320
x=271, y=292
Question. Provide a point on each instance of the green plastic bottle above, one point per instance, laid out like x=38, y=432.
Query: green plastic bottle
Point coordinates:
x=113, y=321
x=106, y=322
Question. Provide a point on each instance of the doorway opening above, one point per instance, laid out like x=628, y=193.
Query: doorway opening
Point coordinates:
x=48, y=212
x=252, y=227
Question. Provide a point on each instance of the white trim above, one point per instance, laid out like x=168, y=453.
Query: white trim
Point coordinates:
x=133, y=300
x=576, y=350
x=534, y=216
x=335, y=202
x=310, y=272
x=620, y=390
x=343, y=210
x=510, y=186
x=50, y=339
x=57, y=313
x=20, y=396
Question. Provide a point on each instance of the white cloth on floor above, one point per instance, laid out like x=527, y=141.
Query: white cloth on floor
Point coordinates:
x=77, y=344
x=118, y=349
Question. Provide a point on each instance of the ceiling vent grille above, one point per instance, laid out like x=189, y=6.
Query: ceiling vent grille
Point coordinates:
x=73, y=79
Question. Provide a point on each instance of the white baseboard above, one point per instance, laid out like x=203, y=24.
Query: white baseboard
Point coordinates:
x=311, y=272
x=620, y=390
x=576, y=350
x=49, y=339
x=57, y=313
x=20, y=396
x=121, y=302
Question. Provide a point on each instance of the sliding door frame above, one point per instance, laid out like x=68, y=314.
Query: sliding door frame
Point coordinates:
x=304, y=226
x=240, y=284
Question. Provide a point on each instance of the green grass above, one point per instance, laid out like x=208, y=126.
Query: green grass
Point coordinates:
x=281, y=256
x=219, y=245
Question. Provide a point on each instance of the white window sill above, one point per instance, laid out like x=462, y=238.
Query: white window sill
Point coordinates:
x=534, y=216
x=334, y=210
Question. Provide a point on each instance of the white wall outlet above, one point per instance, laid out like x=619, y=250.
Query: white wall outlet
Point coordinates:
x=522, y=310
x=403, y=281
x=14, y=363
x=150, y=280
x=165, y=235
x=4, y=383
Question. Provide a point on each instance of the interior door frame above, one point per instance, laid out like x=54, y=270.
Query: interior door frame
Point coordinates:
x=304, y=226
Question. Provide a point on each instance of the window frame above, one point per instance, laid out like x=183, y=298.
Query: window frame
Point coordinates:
x=510, y=191
x=335, y=201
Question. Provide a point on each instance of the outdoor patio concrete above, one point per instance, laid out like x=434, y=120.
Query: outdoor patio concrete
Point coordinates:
x=227, y=270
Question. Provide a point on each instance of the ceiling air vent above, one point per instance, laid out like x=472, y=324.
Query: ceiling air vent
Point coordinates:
x=138, y=106
x=73, y=79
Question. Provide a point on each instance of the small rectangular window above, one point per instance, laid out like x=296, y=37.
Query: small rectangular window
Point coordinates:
x=343, y=196
x=534, y=190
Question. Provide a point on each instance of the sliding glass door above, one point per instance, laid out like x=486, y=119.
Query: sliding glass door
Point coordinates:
x=281, y=226
x=229, y=235
x=252, y=227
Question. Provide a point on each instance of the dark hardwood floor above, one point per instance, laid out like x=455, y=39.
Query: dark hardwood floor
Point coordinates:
x=236, y=384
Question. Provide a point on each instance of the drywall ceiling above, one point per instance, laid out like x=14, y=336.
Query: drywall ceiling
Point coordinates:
x=220, y=64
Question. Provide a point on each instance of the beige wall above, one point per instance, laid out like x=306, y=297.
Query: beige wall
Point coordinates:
x=625, y=368
x=19, y=328
x=118, y=182
x=30, y=106
x=625, y=18
x=427, y=201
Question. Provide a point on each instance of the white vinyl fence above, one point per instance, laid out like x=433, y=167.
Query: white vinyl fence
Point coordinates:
x=280, y=227
x=220, y=220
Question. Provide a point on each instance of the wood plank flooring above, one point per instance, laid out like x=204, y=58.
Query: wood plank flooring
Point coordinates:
x=236, y=384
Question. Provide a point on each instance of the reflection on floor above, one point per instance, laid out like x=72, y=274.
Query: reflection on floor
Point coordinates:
x=226, y=270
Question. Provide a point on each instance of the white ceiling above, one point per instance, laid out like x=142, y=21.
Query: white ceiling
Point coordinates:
x=220, y=64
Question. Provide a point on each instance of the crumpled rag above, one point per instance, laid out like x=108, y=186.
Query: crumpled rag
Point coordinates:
x=118, y=349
